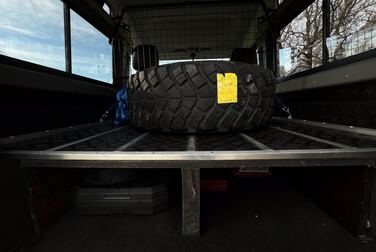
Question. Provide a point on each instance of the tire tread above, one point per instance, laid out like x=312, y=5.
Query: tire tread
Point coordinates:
x=182, y=97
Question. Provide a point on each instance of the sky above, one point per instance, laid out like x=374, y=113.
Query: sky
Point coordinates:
x=33, y=31
x=285, y=59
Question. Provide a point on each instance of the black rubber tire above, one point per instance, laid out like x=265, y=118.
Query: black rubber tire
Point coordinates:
x=182, y=97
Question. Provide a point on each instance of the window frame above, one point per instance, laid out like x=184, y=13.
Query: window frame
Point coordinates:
x=7, y=60
x=68, y=46
x=329, y=65
x=325, y=64
x=14, y=62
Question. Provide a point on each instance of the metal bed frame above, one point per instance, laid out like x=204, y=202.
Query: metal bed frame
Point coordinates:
x=284, y=143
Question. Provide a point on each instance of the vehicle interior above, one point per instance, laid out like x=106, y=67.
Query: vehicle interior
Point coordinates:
x=304, y=182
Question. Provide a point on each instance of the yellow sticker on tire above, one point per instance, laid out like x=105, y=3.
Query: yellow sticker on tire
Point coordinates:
x=227, y=88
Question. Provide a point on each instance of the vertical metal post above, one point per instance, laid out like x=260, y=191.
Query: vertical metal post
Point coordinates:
x=325, y=29
x=271, y=45
x=260, y=53
x=271, y=53
x=67, y=37
x=190, y=178
x=17, y=213
x=368, y=209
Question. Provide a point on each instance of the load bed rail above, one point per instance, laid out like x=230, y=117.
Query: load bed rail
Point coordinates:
x=285, y=142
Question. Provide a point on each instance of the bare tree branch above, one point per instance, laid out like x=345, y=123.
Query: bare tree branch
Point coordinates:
x=304, y=34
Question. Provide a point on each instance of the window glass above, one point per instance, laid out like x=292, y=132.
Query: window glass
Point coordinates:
x=352, y=29
x=107, y=8
x=91, y=51
x=33, y=31
x=300, y=44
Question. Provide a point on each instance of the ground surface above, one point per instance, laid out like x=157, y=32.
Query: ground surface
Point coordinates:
x=267, y=216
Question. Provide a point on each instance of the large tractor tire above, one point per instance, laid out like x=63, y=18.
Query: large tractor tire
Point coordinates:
x=182, y=97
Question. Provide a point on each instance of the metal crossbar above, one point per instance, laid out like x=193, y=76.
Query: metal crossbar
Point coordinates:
x=226, y=151
x=312, y=138
x=47, y=133
x=350, y=129
x=83, y=140
x=129, y=144
x=192, y=145
x=256, y=143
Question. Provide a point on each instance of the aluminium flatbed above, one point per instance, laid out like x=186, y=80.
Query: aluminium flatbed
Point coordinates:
x=284, y=143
